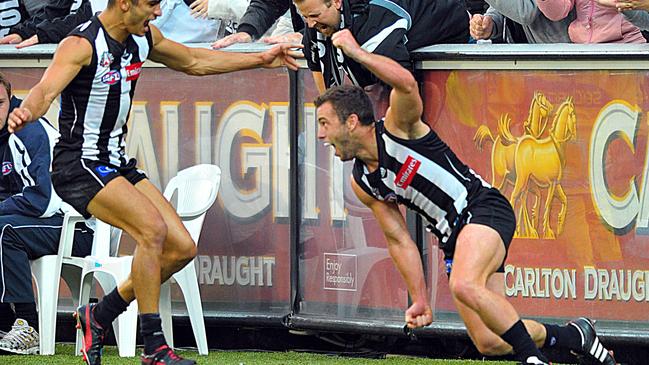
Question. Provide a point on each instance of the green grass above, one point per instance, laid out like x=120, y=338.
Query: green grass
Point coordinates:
x=64, y=355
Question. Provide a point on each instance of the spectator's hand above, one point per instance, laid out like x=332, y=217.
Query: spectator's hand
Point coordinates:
x=12, y=38
x=608, y=3
x=199, y=8
x=345, y=41
x=239, y=37
x=28, y=42
x=419, y=315
x=284, y=38
x=282, y=55
x=18, y=118
x=481, y=26
x=631, y=5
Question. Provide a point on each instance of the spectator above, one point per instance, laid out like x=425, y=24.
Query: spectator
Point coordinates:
x=50, y=24
x=30, y=217
x=623, y=5
x=206, y=22
x=259, y=17
x=178, y=24
x=634, y=10
x=536, y=26
x=12, y=13
x=594, y=23
x=389, y=28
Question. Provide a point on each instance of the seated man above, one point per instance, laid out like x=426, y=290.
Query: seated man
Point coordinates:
x=30, y=221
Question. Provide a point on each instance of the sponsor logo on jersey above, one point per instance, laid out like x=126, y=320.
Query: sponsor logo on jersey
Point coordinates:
x=111, y=77
x=7, y=167
x=104, y=170
x=407, y=172
x=133, y=71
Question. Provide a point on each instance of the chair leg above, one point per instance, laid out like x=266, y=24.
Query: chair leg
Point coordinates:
x=48, y=295
x=125, y=328
x=165, y=313
x=188, y=282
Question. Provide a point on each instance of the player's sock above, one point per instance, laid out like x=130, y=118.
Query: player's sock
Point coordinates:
x=151, y=330
x=109, y=308
x=564, y=336
x=520, y=340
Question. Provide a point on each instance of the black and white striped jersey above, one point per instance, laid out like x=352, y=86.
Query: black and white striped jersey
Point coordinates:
x=424, y=175
x=96, y=104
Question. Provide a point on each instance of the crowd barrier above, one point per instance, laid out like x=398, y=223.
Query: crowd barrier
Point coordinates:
x=560, y=129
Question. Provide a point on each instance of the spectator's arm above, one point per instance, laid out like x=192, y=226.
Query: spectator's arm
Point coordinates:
x=54, y=30
x=53, y=9
x=555, y=9
x=226, y=9
x=498, y=20
x=261, y=15
x=639, y=18
x=30, y=149
x=523, y=12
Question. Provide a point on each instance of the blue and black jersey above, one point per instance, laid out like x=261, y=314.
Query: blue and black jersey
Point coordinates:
x=25, y=184
x=391, y=28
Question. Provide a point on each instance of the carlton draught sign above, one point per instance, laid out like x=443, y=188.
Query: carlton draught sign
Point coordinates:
x=568, y=149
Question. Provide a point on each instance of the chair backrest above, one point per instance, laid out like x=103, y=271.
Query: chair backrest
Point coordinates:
x=195, y=189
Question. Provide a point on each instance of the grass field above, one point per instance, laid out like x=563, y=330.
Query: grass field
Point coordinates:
x=65, y=356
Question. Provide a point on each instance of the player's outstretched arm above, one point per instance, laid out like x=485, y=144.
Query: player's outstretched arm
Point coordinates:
x=404, y=253
x=72, y=54
x=202, y=61
x=406, y=106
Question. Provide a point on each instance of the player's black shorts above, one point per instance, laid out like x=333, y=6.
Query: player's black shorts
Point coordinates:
x=78, y=180
x=489, y=208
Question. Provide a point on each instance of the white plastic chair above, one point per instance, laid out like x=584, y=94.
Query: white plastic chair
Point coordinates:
x=47, y=271
x=196, y=189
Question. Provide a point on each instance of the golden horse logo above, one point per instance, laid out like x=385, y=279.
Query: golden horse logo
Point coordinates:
x=531, y=162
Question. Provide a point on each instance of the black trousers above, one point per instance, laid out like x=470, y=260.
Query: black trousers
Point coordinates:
x=27, y=238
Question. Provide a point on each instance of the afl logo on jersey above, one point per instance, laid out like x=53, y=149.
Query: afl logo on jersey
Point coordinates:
x=111, y=78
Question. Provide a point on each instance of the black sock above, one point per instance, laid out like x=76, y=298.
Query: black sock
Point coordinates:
x=520, y=340
x=109, y=308
x=7, y=317
x=151, y=330
x=564, y=336
x=27, y=311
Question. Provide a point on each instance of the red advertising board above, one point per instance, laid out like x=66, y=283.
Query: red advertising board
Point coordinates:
x=569, y=150
x=238, y=121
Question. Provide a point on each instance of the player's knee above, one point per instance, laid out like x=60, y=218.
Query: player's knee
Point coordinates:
x=189, y=251
x=492, y=346
x=185, y=251
x=464, y=290
x=153, y=235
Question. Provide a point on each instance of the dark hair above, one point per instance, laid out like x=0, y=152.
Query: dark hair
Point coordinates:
x=347, y=100
x=134, y=2
x=7, y=85
x=326, y=2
